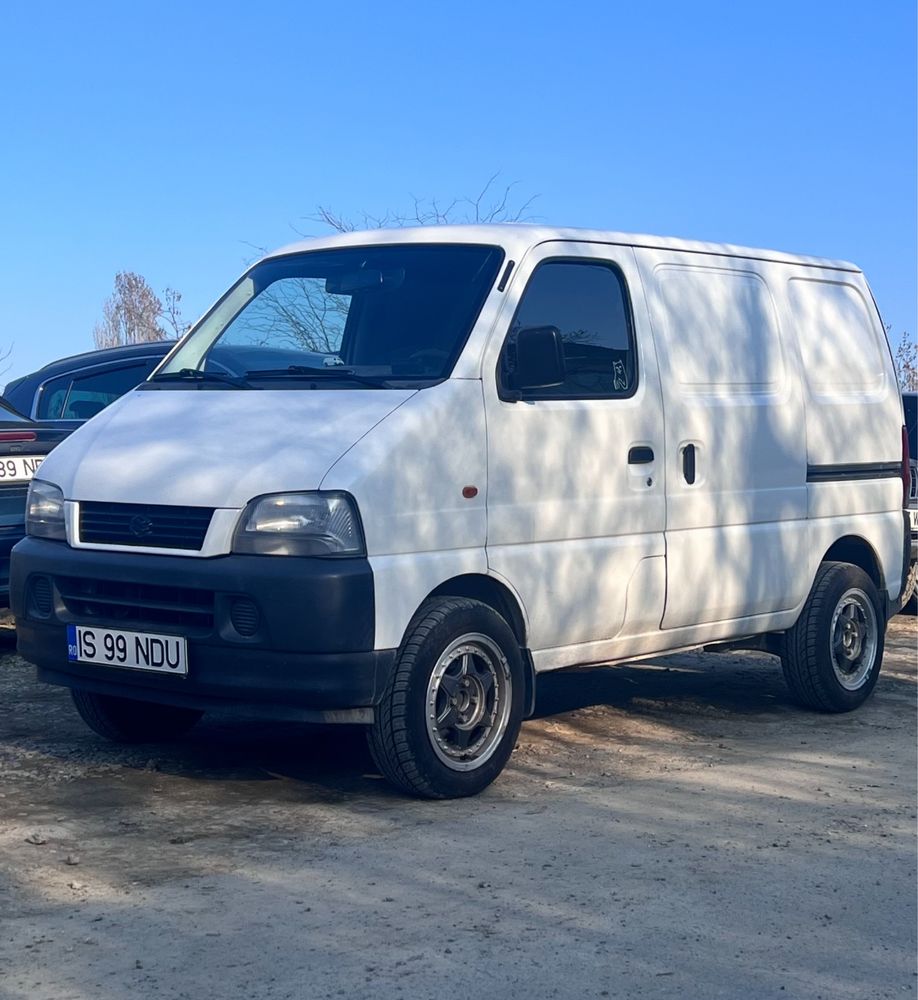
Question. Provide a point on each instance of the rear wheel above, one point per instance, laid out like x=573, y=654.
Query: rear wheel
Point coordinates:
x=124, y=720
x=450, y=715
x=832, y=655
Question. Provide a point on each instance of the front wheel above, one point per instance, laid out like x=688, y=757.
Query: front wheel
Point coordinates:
x=123, y=720
x=832, y=655
x=452, y=710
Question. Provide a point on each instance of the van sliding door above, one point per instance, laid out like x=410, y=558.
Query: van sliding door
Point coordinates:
x=736, y=500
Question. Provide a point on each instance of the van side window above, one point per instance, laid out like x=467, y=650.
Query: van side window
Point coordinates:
x=588, y=304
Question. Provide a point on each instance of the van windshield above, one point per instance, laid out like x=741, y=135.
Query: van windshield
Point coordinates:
x=381, y=317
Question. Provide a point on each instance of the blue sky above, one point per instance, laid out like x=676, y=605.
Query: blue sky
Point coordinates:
x=167, y=138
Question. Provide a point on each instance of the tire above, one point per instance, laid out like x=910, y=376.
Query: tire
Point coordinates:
x=123, y=720
x=909, y=605
x=833, y=654
x=451, y=712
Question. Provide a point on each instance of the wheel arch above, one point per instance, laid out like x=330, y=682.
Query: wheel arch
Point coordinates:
x=497, y=595
x=859, y=552
x=492, y=592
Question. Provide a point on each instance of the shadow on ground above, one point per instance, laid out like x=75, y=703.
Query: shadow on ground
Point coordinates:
x=681, y=695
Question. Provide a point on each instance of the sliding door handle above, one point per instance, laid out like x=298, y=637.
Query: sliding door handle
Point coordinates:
x=640, y=455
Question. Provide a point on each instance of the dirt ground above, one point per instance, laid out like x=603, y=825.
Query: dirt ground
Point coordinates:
x=670, y=829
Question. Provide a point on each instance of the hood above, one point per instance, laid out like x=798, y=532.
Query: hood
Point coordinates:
x=214, y=448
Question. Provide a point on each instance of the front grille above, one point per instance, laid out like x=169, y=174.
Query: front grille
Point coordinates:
x=150, y=525
x=912, y=483
x=136, y=603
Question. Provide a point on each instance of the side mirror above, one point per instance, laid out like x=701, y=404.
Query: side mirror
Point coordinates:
x=539, y=358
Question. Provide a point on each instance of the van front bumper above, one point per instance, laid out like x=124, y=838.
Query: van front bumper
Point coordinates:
x=280, y=636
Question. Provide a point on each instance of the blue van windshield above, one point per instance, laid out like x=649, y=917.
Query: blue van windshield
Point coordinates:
x=373, y=315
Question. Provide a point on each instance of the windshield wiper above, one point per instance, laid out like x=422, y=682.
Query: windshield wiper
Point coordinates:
x=306, y=371
x=197, y=375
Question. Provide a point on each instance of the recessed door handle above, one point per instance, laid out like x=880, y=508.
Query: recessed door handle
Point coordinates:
x=640, y=455
x=688, y=464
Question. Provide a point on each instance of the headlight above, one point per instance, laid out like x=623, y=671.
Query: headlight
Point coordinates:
x=45, y=511
x=300, y=524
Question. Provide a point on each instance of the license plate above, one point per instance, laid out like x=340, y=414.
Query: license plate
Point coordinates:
x=165, y=654
x=19, y=468
x=913, y=518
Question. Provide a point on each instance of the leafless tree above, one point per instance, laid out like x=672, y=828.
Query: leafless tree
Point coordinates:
x=907, y=362
x=172, y=312
x=134, y=313
x=493, y=203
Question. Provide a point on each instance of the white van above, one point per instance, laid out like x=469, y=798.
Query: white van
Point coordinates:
x=391, y=477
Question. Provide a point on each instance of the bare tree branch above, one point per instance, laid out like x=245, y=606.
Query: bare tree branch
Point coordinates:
x=485, y=207
x=172, y=312
x=333, y=220
x=907, y=362
x=5, y=357
x=260, y=251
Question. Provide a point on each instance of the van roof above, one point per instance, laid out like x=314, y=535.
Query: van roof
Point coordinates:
x=516, y=238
